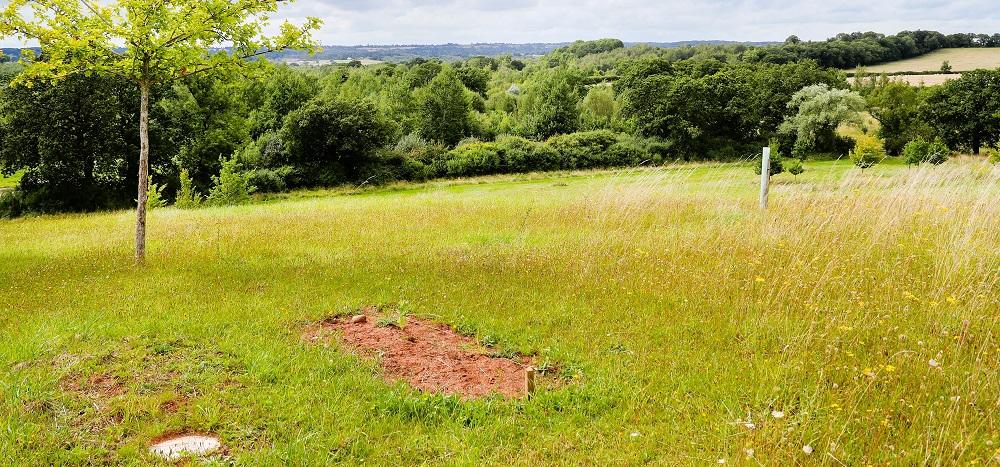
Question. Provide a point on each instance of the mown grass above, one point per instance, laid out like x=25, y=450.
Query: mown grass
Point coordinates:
x=11, y=181
x=960, y=60
x=679, y=315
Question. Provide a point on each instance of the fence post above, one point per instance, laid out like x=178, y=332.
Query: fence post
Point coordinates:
x=765, y=177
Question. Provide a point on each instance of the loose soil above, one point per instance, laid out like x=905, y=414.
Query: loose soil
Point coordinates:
x=430, y=357
x=99, y=386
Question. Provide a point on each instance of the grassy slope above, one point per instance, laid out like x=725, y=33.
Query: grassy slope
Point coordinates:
x=678, y=311
x=960, y=60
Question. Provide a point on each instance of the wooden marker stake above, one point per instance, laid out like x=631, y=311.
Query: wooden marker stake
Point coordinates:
x=765, y=177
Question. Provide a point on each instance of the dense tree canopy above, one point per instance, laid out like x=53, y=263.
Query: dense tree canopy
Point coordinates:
x=966, y=112
x=700, y=105
x=73, y=138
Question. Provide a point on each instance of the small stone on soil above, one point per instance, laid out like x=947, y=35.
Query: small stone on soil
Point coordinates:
x=360, y=319
x=178, y=447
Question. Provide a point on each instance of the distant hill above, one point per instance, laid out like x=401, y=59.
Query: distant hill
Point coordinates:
x=402, y=53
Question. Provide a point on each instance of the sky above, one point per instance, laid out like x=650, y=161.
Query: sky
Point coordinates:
x=358, y=22
x=354, y=22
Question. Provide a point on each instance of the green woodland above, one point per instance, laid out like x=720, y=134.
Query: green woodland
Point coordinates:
x=265, y=127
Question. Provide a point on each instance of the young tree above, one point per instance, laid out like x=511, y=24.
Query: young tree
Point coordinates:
x=551, y=104
x=148, y=42
x=444, y=108
x=867, y=153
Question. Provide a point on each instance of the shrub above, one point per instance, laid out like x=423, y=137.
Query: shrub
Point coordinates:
x=231, y=186
x=920, y=151
x=390, y=165
x=467, y=141
x=10, y=205
x=993, y=154
x=777, y=165
x=187, y=198
x=522, y=155
x=794, y=167
x=584, y=150
x=154, y=195
x=274, y=180
x=474, y=159
x=631, y=151
x=328, y=139
x=410, y=143
x=867, y=153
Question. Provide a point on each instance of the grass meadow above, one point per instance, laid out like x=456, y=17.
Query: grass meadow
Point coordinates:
x=854, y=322
x=10, y=182
x=960, y=59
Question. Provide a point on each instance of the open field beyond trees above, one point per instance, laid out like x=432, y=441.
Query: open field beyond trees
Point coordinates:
x=966, y=59
x=9, y=182
x=854, y=322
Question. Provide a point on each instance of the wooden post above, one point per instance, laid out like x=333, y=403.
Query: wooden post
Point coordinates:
x=529, y=381
x=765, y=177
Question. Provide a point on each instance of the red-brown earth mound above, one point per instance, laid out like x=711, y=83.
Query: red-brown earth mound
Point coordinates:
x=430, y=357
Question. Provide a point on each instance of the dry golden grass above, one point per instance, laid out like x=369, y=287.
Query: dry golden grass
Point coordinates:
x=960, y=60
x=922, y=80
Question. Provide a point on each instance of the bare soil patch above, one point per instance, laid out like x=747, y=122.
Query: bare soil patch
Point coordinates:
x=430, y=357
x=99, y=386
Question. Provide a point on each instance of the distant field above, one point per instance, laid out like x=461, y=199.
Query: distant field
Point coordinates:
x=923, y=80
x=960, y=60
x=9, y=182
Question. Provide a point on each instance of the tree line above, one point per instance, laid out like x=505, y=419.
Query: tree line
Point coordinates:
x=219, y=137
x=851, y=50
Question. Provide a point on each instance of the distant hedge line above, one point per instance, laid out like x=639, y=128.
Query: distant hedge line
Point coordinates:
x=414, y=159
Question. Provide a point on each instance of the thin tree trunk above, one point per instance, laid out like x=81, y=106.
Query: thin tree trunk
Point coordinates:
x=140, y=218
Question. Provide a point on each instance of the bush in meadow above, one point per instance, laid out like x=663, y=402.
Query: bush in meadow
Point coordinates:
x=154, y=195
x=920, y=151
x=584, y=150
x=231, y=186
x=187, y=197
x=993, y=154
x=521, y=155
x=867, y=153
x=472, y=159
x=794, y=167
x=777, y=165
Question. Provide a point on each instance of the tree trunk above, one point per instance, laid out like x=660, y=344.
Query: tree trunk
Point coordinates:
x=140, y=211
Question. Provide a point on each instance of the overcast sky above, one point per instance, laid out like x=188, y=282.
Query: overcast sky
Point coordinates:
x=353, y=22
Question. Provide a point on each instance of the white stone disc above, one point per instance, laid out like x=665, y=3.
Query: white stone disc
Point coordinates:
x=175, y=448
